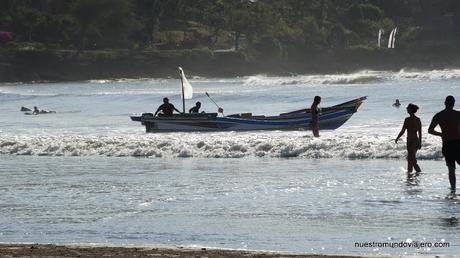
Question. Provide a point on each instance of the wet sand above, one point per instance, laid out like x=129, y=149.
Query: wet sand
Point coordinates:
x=36, y=250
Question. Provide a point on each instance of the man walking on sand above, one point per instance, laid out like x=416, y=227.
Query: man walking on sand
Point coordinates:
x=449, y=121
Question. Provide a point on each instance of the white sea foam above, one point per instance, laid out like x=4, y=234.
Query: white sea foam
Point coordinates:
x=354, y=78
x=449, y=74
x=127, y=80
x=361, y=77
x=209, y=145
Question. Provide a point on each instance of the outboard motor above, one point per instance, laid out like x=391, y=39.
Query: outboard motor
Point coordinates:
x=146, y=115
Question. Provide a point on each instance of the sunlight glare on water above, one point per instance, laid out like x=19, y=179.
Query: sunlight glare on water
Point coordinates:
x=88, y=174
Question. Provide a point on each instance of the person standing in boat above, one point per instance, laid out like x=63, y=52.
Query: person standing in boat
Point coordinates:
x=413, y=125
x=314, y=109
x=196, y=108
x=449, y=121
x=166, y=108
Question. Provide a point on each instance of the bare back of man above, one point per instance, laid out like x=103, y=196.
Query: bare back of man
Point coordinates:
x=449, y=121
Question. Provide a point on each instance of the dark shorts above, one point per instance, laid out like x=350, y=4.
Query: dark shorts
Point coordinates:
x=451, y=152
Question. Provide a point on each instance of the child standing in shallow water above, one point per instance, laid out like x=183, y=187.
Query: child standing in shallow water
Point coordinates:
x=413, y=125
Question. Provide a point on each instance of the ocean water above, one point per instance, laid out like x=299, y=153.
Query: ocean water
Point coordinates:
x=87, y=174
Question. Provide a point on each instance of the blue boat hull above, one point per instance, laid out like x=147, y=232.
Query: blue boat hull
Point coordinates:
x=331, y=118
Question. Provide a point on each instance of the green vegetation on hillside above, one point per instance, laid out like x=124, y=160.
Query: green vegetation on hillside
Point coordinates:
x=270, y=28
x=78, y=39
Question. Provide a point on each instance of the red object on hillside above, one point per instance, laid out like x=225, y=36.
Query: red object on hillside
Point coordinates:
x=6, y=35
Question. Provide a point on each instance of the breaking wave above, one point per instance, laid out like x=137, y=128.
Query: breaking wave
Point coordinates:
x=209, y=145
x=127, y=80
x=362, y=77
x=356, y=78
x=450, y=74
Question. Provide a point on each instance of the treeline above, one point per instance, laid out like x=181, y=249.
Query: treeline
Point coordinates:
x=271, y=27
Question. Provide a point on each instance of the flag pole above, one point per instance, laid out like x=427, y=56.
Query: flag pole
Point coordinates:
x=182, y=83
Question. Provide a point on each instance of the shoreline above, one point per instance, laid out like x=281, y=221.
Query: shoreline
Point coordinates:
x=48, y=65
x=98, y=250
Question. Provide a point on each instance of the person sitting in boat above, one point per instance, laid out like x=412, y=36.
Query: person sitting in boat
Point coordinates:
x=166, y=108
x=396, y=104
x=196, y=108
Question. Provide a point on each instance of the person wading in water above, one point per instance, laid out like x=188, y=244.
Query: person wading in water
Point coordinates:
x=449, y=121
x=314, y=109
x=413, y=125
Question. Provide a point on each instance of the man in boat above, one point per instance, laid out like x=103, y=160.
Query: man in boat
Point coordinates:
x=449, y=121
x=315, y=116
x=166, y=108
x=196, y=108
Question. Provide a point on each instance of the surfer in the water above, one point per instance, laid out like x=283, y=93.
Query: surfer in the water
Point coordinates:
x=41, y=111
x=314, y=109
x=413, y=125
x=397, y=103
x=449, y=121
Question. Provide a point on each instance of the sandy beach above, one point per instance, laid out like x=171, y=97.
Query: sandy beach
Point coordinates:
x=40, y=250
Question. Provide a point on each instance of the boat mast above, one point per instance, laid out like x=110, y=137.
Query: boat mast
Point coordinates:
x=182, y=83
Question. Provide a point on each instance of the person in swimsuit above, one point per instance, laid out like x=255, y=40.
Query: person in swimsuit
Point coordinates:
x=397, y=103
x=314, y=109
x=449, y=122
x=413, y=125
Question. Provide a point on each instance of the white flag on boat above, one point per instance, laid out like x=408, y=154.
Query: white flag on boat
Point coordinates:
x=186, y=87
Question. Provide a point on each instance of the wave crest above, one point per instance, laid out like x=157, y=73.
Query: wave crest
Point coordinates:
x=204, y=145
x=355, y=78
x=361, y=77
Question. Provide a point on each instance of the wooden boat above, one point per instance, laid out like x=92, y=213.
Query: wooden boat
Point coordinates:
x=330, y=118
